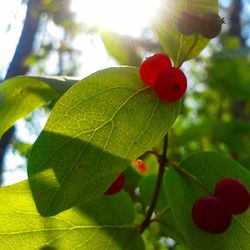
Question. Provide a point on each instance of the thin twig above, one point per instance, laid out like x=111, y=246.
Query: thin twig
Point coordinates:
x=162, y=164
x=153, y=152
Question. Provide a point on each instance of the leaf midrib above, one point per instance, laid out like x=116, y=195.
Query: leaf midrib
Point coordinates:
x=39, y=230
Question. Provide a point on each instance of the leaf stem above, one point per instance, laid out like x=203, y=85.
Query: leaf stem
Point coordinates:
x=190, y=50
x=162, y=159
x=191, y=176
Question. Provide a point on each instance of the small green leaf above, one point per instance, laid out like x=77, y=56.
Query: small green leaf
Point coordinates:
x=121, y=48
x=182, y=192
x=105, y=223
x=175, y=44
x=95, y=130
x=21, y=95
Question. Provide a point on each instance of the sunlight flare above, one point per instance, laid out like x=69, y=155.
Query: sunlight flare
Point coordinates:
x=128, y=17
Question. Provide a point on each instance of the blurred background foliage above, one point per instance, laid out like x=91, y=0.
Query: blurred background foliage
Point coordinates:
x=216, y=108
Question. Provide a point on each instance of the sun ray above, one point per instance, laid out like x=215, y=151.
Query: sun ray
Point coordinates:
x=124, y=17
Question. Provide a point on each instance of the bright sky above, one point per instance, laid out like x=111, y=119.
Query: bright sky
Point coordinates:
x=124, y=17
x=11, y=16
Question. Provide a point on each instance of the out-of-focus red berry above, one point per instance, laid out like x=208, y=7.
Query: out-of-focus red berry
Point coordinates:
x=141, y=166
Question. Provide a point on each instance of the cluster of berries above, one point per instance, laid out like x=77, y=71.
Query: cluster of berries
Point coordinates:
x=208, y=25
x=169, y=83
x=118, y=184
x=213, y=213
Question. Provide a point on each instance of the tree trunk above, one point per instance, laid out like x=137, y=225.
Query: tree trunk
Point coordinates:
x=17, y=67
x=236, y=30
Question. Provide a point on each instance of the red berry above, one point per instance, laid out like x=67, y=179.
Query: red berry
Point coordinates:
x=210, y=215
x=141, y=166
x=117, y=185
x=171, y=85
x=152, y=66
x=233, y=194
x=188, y=23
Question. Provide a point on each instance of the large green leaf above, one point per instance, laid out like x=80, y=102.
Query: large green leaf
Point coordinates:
x=21, y=95
x=175, y=44
x=105, y=223
x=246, y=163
x=95, y=130
x=182, y=192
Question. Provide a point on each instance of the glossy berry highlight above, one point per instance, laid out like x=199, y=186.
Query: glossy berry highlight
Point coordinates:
x=211, y=215
x=171, y=85
x=233, y=194
x=211, y=25
x=189, y=23
x=152, y=66
x=117, y=185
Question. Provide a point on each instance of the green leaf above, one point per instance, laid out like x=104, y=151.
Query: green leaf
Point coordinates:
x=182, y=192
x=146, y=186
x=163, y=211
x=95, y=130
x=246, y=163
x=182, y=247
x=132, y=179
x=105, y=223
x=21, y=95
x=122, y=48
x=175, y=44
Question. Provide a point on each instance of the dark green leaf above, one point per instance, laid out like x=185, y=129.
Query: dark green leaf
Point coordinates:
x=182, y=247
x=132, y=180
x=246, y=163
x=182, y=192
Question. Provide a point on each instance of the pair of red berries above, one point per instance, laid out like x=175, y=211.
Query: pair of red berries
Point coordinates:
x=208, y=25
x=169, y=83
x=213, y=213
